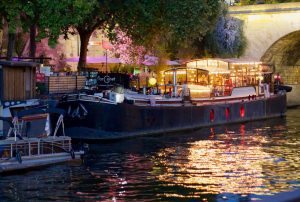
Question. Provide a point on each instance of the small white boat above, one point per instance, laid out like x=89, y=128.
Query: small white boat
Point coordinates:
x=18, y=151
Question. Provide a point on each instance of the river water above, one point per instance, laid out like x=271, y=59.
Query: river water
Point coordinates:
x=242, y=162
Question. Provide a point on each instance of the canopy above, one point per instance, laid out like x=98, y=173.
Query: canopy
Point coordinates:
x=149, y=60
x=99, y=59
x=152, y=60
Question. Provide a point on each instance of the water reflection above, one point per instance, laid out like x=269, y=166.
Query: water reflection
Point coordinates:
x=238, y=163
x=260, y=161
x=232, y=163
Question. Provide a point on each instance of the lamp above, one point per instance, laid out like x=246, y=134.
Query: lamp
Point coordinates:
x=152, y=81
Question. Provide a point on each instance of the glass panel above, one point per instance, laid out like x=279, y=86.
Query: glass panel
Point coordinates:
x=202, y=77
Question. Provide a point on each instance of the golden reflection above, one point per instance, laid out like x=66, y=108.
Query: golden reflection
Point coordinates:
x=233, y=163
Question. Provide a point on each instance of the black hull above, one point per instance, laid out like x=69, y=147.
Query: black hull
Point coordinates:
x=107, y=121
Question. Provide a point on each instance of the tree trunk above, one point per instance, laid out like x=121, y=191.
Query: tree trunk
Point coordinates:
x=10, y=45
x=4, y=37
x=84, y=41
x=32, y=40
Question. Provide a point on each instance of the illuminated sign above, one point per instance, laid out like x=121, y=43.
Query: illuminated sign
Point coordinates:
x=106, y=79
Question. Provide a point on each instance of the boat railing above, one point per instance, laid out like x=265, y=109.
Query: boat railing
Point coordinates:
x=240, y=95
x=90, y=98
x=70, y=97
x=34, y=147
x=85, y=97
x=226, y=100
x=153, y=100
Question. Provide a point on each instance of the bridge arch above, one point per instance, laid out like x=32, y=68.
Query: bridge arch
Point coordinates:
x=273, y=36
x=266, y=25
x=285, y=51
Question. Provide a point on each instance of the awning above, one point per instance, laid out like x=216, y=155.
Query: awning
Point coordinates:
x=99, y=59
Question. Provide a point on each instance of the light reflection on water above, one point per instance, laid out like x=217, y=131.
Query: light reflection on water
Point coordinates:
x=238, y=163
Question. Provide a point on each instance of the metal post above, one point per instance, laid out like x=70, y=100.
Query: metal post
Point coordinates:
x=76, y=85
x=11, y=150
x=39, y=149
x=29, y=149
x=174, y=82
x=106, y=61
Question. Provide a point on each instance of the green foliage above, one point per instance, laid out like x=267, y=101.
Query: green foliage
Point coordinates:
x=173, y=24
x=57, y=17
x=122, y=69
x=41, y=88
x=226, y=40
x=167, y=25
x=250, y=2
x=10, y=12
x=51, y=17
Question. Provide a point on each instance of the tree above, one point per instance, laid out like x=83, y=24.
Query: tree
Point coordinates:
x=52, y=18
x=250, y=2
x=10, y=14
x=127, y=51
x=69, y=17
x=172, y=24
x=226, y=40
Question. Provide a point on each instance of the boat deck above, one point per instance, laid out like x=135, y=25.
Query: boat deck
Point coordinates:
x=175, y=102
x=34, y=152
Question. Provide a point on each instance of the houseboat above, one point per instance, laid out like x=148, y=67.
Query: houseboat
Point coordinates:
x=203, y=93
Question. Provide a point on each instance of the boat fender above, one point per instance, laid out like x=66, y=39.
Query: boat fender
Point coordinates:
x=19, y=157
x=72, y=153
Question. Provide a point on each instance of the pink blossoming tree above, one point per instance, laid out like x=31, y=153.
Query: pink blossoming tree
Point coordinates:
x=44, y=50
x=128, y=52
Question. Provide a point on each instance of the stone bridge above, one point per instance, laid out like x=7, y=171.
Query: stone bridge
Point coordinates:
x=273, y=36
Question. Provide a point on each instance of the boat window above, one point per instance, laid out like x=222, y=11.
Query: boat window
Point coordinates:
x=202, y=77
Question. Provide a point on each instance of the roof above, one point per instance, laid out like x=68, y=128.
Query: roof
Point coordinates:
x=228, y=60
x=18, y=63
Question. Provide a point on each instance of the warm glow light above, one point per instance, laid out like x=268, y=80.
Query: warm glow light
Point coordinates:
x=219, y=72
x=177, y=72
x=152, y=81
x=260, y=78
x=199, y=89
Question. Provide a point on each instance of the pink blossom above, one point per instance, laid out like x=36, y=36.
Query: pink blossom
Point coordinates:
x=128, y=52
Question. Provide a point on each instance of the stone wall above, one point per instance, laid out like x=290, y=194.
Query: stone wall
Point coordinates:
x=266, y=24
x=293, y=98
x=273, y=36
x=290, y=76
